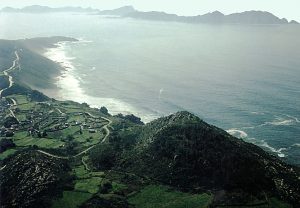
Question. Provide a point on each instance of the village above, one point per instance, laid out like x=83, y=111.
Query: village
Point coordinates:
x=48, y=125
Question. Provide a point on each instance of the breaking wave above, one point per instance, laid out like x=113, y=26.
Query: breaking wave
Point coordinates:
x=262, y=143
x=237, y=133
x=69, y=84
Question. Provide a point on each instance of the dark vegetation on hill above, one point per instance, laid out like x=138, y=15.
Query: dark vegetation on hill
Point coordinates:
x=9, y=121
x=132, y=118
x=185, y=152
x=32, y=179
x=22, y=89
x=6, y=144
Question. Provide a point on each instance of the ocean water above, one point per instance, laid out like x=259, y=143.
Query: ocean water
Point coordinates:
x=244, y=79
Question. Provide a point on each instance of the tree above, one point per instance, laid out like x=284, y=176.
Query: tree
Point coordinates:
x=9, y=121
x=6, y=144
x=103, y=157
x=104, y=110
x=45, y=134
x=70, y=138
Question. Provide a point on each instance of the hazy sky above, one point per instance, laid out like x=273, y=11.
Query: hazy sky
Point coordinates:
x=281, y=8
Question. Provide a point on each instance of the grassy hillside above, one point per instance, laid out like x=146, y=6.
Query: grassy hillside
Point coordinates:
x=185, y=152
x=6, y=54
x=35, y=70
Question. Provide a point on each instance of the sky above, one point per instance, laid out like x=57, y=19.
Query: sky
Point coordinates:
x=289, y=9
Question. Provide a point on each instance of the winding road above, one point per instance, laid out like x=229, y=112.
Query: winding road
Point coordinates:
x=11, y=82
x=85, y=164
x=88, y=149
x=6, y=72
x=16, y=65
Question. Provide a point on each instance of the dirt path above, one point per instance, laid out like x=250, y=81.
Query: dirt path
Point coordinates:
x=85, y=164
x=14, y=101
x=51, y=155
x=3, y=167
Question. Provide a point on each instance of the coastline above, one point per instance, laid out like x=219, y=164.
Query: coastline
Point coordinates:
x=68, y=83
x=69, y=87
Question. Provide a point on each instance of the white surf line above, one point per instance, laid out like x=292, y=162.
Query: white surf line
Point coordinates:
x=293, y=117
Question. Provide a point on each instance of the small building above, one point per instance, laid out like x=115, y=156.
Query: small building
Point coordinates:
x=92, y=131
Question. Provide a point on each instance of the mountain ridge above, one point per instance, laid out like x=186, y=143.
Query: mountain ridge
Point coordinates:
x=216, y=17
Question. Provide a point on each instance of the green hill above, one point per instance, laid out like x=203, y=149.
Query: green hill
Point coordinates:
x=183, y=151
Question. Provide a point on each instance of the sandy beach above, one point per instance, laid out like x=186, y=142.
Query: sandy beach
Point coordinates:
x=69, y=83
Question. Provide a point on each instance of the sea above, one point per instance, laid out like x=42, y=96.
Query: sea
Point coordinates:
x=242, y=78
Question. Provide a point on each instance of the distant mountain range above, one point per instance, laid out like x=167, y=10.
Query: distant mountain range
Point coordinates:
x=46, y=9
x=247, y=17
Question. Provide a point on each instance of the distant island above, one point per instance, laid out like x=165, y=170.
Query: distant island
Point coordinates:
x=46, y=9
x=216, y=17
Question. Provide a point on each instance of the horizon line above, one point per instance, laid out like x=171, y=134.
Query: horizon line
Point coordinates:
x=89, y=7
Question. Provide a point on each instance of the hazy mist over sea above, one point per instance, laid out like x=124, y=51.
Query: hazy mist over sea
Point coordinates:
x=245, y=79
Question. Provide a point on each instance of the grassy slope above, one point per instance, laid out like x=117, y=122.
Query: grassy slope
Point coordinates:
x=36, y=71
x=6, y=54
x=71, y=199
x=160, y=196
x=4, y=83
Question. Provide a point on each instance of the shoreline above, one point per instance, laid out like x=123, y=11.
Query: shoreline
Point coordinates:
x=68, y=84
x=67, y=72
